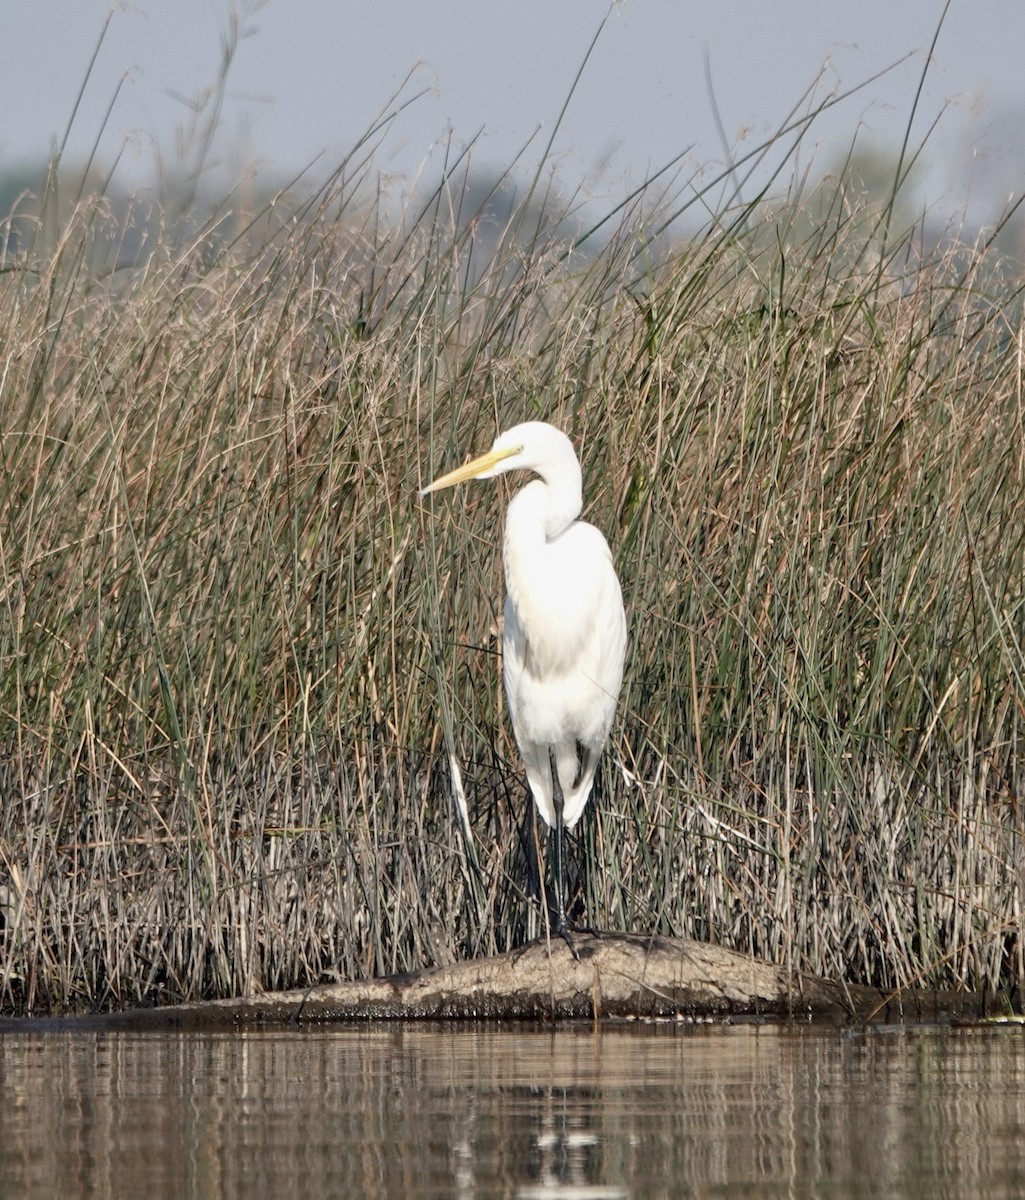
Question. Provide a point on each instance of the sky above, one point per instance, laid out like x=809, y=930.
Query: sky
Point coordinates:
x=665, y=78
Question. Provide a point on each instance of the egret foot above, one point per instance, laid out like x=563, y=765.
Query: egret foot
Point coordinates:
x=563, y=930
x=566, y=930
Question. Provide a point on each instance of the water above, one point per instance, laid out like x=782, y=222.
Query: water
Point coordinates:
x=466, y=1111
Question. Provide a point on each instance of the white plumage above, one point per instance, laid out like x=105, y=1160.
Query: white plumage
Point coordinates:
x=565, y=629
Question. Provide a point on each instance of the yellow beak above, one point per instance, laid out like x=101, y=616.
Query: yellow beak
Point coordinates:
x=474, y=469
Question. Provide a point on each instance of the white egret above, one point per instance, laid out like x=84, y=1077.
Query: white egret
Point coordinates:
x=565, y=629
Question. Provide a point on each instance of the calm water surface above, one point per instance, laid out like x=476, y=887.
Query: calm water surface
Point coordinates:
x=464, y=1111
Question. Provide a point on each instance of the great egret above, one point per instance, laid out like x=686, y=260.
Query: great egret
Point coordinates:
x=565, y=629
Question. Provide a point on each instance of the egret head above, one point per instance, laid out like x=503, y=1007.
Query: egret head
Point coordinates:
x=532, y=446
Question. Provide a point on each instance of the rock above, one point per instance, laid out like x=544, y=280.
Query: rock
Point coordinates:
x=616, y=976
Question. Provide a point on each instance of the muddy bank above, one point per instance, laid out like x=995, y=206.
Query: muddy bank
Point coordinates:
x=616, y=976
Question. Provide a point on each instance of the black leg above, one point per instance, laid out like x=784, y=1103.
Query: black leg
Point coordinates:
x=557, y=869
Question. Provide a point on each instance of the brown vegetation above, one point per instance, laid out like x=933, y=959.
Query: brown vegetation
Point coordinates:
x=238, y=658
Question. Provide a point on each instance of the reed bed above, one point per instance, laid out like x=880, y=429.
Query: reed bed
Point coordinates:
x=248, y=679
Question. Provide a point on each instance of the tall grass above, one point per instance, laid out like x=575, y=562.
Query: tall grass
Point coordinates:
x=247, y=678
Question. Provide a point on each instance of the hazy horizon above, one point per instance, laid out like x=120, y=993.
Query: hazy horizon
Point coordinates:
x=309, y=77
